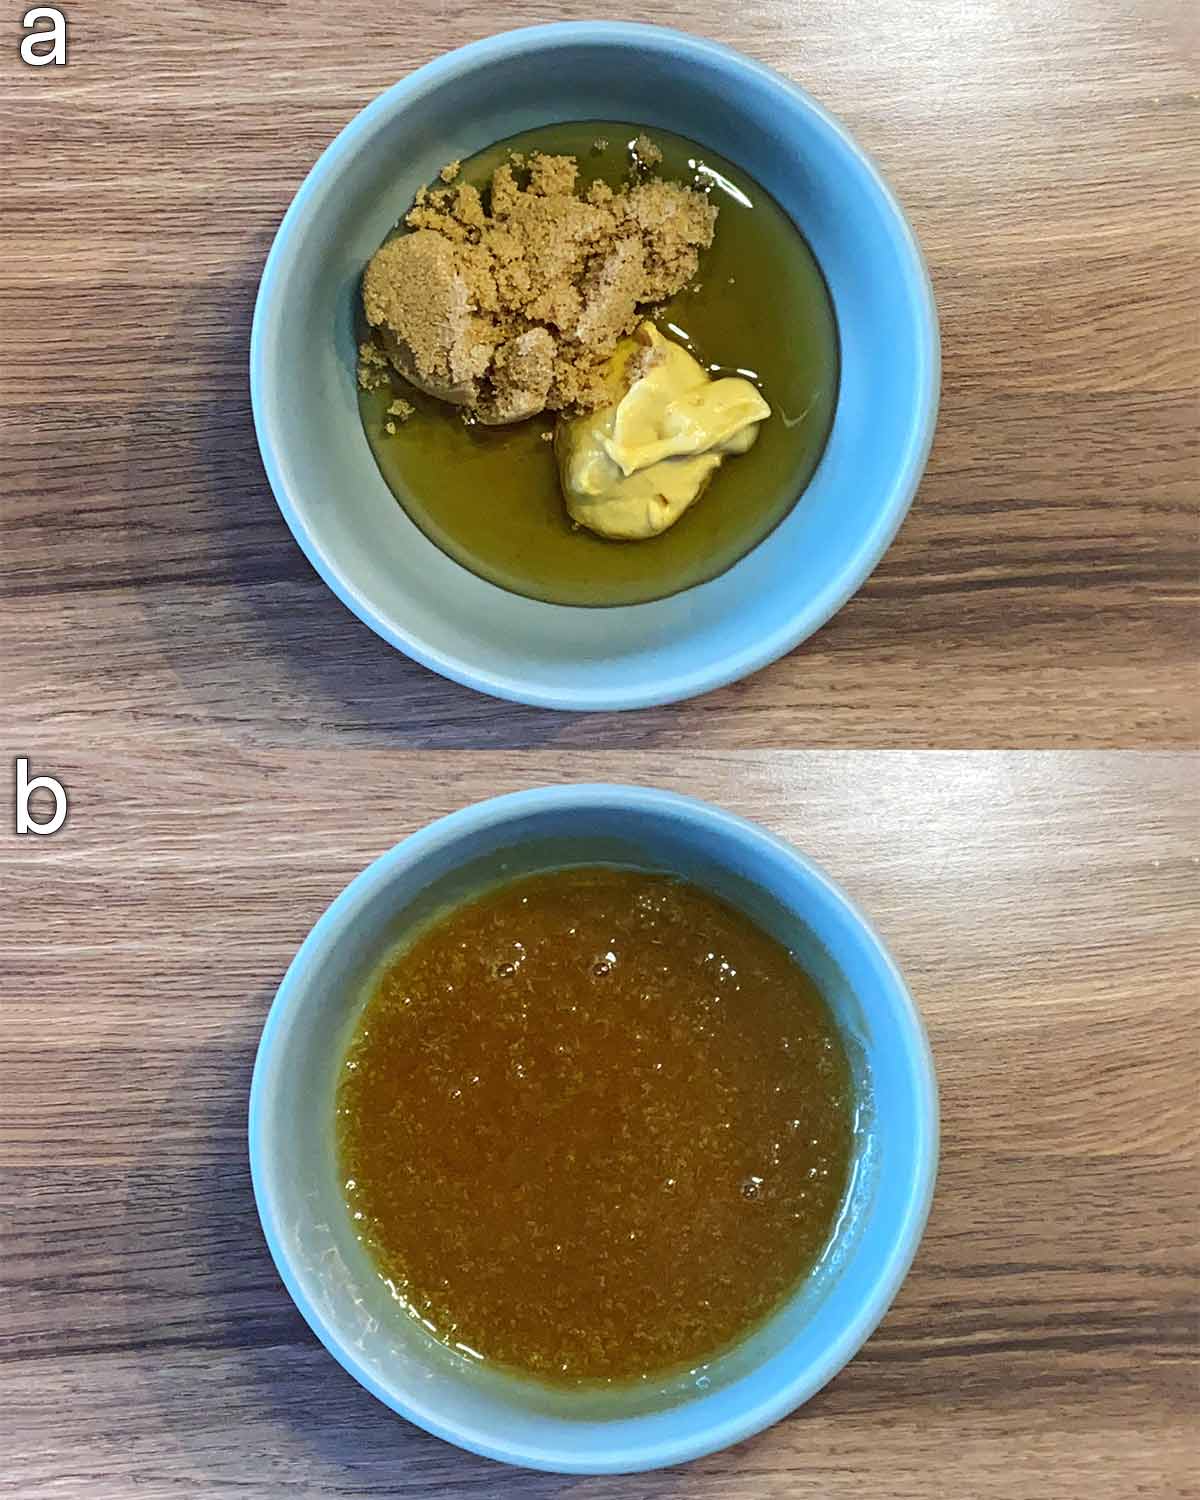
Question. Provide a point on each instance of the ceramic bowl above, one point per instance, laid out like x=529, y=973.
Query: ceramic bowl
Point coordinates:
x=387, y=571
x=329, y=1275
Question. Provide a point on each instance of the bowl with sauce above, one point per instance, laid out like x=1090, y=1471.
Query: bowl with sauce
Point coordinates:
x=593, y=1129
x=602, y=435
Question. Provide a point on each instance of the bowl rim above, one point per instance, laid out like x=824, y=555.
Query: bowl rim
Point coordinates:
x=663, y=1450
x=718, y=669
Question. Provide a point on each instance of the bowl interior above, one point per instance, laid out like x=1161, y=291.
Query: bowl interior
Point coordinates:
x=382, y=565
x=331, y=1277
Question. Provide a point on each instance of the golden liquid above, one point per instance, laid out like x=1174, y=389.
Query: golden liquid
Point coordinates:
x=490, y=497
x=594, y=1126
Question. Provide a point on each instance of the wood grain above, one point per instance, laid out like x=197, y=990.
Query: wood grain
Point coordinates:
x=229, y=735
x=1041, y=593
x=1042, y=906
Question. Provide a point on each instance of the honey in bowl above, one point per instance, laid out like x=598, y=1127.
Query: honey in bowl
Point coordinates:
x=594, y=1126
x=758, y=309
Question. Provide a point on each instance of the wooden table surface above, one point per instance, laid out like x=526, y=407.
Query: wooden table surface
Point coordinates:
x=1040, y=594
x=1039, y=905
x=237, y=746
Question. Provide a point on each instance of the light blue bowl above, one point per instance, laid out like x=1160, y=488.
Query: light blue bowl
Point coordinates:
x=387, y=571
x=330, y=1277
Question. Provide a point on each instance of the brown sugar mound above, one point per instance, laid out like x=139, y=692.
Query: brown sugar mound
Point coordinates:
x=510, y=303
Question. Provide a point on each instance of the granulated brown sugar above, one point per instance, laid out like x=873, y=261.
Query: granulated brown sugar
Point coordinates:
x=509, y=303
x=646, y=153
x=399, y=411
x=373, y=366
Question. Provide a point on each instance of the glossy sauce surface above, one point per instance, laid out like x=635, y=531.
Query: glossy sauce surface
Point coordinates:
x=490, y=497
x=594, y=1125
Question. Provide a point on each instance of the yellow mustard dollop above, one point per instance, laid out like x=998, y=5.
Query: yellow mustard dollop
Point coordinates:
x=632, y=467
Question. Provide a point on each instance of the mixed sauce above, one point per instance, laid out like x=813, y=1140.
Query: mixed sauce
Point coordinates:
x=594, y=1126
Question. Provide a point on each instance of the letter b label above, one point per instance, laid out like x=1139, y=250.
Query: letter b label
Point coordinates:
x=27, y=822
